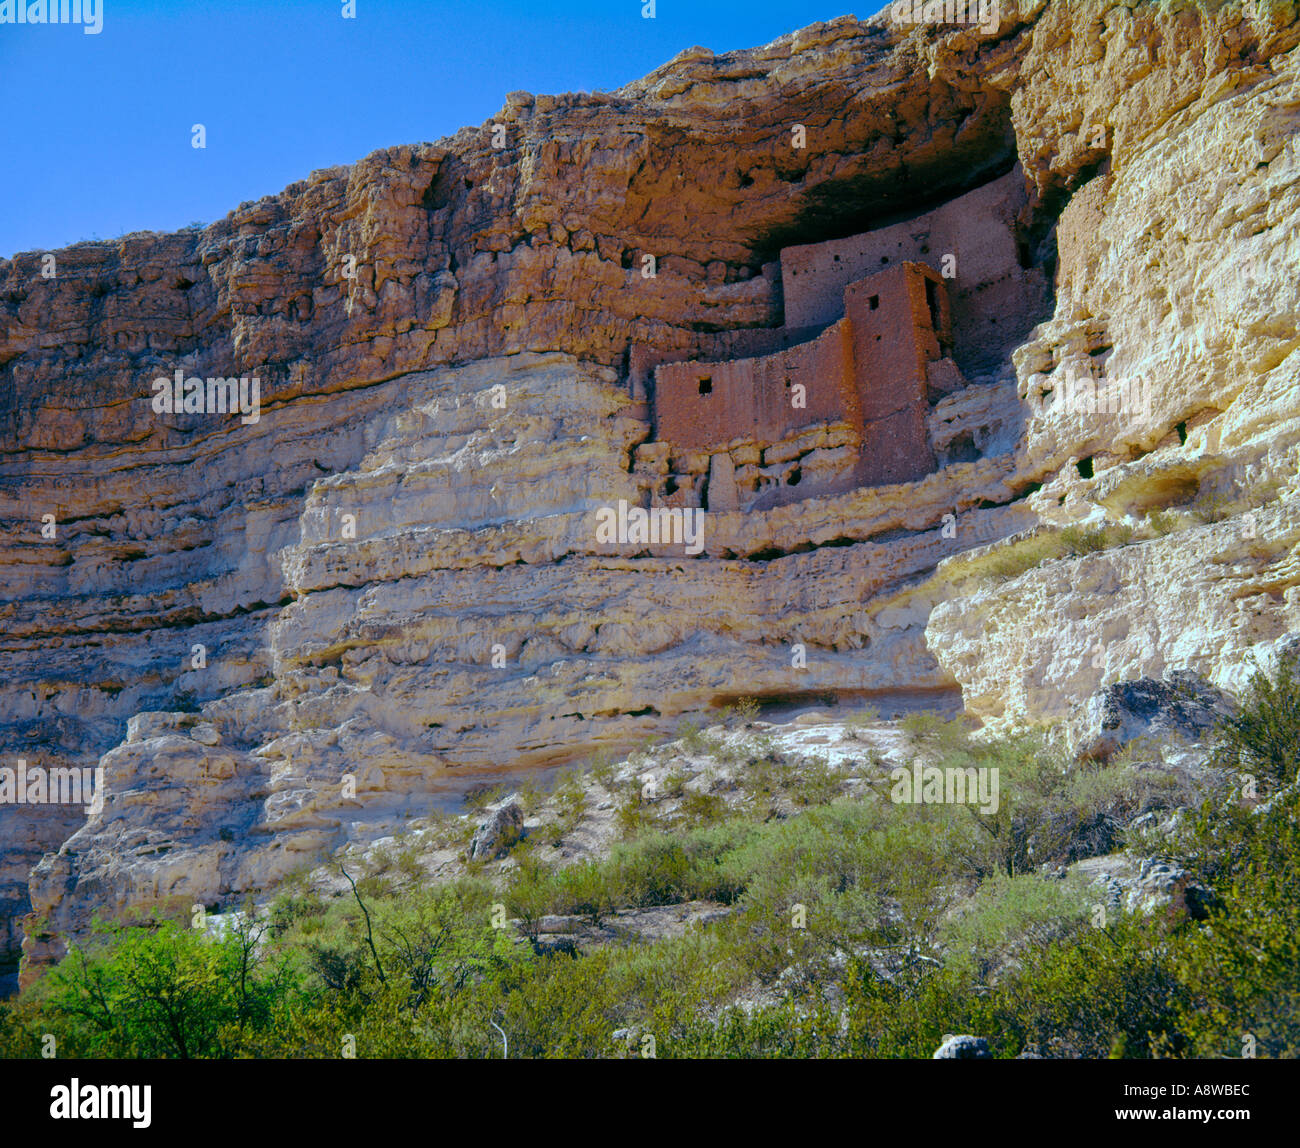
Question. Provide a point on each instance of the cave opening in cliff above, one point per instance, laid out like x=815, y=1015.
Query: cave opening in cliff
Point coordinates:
x=867, y=197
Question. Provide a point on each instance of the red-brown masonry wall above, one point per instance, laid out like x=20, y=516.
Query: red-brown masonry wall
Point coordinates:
x=995, y=300
x=751, y=398
x=894, y=336
x=867, y=369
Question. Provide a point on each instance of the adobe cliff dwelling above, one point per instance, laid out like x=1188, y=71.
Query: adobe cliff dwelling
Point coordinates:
x=877, y=330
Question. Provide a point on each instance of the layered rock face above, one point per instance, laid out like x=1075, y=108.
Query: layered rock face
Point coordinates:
x=280, y=629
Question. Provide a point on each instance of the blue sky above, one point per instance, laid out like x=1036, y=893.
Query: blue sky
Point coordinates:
x=96, y=129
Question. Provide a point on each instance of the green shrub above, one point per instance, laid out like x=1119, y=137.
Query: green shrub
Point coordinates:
x=865, y=717
x=1079, y=541
x=602, y=771
x=1162, y=522
x=674, y=782
x=635, y=814
x=1263, y=737
x=1238, y=971
x=1017, y=558
x=688, y=733
x=571, y=806
x=1212, y=507
x=697, y=809
x=1007, y=915
x=529, y=895
x=586, y=889
x=479, y=797
x=444, y=830
x=814, y=782
x=164, y=992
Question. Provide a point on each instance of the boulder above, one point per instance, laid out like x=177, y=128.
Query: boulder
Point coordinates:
x=1147, y=885
x=1161, y=885
x=963, y=1047
x=1181, y=707
x=497, y=835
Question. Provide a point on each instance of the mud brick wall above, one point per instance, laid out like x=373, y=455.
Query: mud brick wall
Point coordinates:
x=702, y=405
x=995, y=301
x=899, y=320
x=868, y=369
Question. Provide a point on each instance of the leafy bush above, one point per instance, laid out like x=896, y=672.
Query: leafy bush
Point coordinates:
x=1162, y=522
x=602, y=771
x=1019, y=557
x=586, y=889
x=164, y=992
x=1238, y=972
x=866, y=717
x=814, y=782
x=674, y=782
x=635, y=814
x=1078, y=541
x=1212, y=507
x=571, y=802
x=1264, y=736
x=688, y=733
x=699, y=809
x=479, y=797
x=1007, y=915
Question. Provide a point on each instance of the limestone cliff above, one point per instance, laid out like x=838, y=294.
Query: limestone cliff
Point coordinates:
x=282, y=634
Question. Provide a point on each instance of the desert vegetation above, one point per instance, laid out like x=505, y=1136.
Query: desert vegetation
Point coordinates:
x=841, y=924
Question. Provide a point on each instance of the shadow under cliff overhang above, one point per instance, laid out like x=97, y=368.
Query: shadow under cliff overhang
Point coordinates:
x=920, y=167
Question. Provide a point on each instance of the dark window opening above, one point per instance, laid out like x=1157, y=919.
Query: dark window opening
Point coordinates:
x=1085, y=467
x=884, y=259
x=794, y=478
x=963, y=448
x=1181, y=428
x=670, y=486
x=837, y=259
x=932, y=302
x=706, y=385
x=874, y=302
